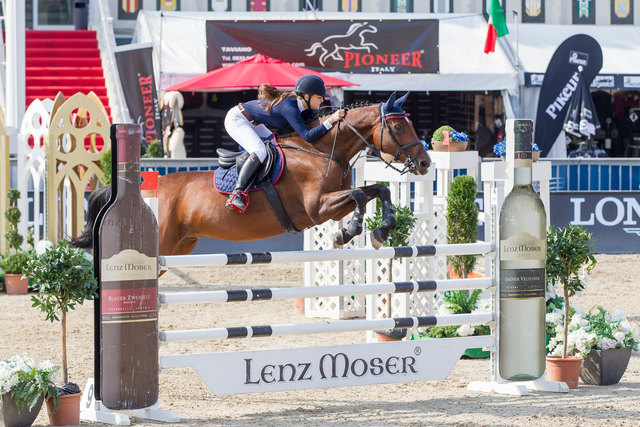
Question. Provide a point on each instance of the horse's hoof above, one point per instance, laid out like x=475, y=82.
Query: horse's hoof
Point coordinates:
x=377, y=238
x=338, y=240
x=389, y=223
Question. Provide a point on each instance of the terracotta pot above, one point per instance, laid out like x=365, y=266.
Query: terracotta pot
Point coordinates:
x=298, y=305
x=452, y=147
x=564, y=370
x=12, y=418
x=536, y=156
x=605, y=367
x=15, y=284
x=68, y=412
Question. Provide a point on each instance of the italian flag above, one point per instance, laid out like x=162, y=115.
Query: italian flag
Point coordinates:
x=497, y=26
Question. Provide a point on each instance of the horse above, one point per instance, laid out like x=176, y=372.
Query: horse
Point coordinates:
x=353, y=39
x=314, y=187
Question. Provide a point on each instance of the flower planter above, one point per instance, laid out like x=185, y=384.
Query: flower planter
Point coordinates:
x=12, y=418
x=476, y=353
x=454, y=146
x=605, y=367
x=564, y=370
x=68, y=412
x=15, y=284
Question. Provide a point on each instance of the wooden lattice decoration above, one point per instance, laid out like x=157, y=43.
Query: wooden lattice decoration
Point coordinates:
x=71, y=168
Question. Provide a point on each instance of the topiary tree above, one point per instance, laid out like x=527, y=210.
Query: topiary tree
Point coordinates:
x=15, y=260
x=462, y=221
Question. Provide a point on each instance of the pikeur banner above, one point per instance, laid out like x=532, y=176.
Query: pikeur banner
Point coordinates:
x=560, y=83
x=346, y=46
x=138, y=84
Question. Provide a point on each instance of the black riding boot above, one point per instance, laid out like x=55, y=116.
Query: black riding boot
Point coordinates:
x=239, y=199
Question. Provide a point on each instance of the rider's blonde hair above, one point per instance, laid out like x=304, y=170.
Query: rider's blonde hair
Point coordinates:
x=270, y=93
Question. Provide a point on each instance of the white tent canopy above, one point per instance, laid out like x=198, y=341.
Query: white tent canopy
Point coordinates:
x=179, y=41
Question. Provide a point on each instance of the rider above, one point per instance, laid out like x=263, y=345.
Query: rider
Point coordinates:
x=247, y=123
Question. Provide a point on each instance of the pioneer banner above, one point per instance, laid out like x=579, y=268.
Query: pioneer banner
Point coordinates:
x=561, y=82
x=346, y=46
x=135, y=65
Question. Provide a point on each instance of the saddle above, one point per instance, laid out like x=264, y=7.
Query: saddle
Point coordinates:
x=227, y=159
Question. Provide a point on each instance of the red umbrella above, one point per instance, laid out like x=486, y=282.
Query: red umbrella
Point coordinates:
x=251, y=73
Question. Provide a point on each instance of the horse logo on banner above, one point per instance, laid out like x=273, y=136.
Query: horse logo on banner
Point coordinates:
x=354, y=38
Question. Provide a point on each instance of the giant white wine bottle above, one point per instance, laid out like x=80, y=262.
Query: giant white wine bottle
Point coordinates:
x=523, y=223
x=128, y=251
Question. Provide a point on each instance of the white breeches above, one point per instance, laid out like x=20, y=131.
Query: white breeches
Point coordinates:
x=246, y=134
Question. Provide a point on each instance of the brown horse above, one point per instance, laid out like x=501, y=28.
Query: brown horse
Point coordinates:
x=190, y=208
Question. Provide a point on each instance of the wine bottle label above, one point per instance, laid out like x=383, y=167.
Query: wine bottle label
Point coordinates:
x=518, y=283
x=129, y=305
x=523, y=246
x=127, y=265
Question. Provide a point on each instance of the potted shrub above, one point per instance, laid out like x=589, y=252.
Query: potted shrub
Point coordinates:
x=569, y=259
x=63, y=277
x=13, y=262
x=446, y=138
x=399, y=236
x=23, y=387
x=603, y=339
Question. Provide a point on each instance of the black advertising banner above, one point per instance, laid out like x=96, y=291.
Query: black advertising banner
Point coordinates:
x=560, y=82
x=584, y=11
x=128, y=9
x=621, y=12
x=138, y=84
x=612, y=217
x=346, y=46
x=532, y=11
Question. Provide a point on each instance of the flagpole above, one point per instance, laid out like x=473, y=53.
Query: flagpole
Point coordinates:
x=520, y=89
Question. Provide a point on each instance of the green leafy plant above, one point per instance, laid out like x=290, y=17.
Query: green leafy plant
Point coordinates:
x=15, y=260
x=63, y=277
x=458, y=302
x=25, y=382
x=154, y=150
x=569, y=260
x=399, y=236
x=462, y=221
x=105, y=165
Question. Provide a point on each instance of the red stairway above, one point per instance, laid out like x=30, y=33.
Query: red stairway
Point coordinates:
x=67, y=61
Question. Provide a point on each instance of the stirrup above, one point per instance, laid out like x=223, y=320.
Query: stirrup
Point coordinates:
x=238, y=201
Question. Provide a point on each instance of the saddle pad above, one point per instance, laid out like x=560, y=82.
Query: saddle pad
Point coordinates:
x=225, y=179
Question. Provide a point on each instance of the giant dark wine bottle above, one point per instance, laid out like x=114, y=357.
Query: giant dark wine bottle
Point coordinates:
x=523, y=222
x=129, y=286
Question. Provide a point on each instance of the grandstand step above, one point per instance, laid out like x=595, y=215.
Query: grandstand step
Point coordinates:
x=64, y=71
x=60, y=34
x=71, y=81
x=61, y=44
x=64, y=52
x=68, y=91
x=62, y=62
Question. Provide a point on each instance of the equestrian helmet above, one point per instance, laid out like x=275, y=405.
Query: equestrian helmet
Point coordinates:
x=311, y=84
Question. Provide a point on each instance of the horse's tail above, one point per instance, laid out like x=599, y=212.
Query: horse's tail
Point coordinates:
x=97, y=200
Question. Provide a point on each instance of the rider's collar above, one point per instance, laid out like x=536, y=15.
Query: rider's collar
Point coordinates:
x=301, y=106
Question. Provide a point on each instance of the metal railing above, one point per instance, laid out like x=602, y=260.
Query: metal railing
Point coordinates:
x=101, y=21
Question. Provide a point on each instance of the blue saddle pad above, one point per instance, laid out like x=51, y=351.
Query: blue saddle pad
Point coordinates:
x=225, y=179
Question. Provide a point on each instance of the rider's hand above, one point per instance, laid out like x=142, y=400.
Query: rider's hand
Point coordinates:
x=337, y=116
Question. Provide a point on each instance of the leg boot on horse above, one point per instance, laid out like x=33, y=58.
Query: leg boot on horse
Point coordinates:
x=239, y=199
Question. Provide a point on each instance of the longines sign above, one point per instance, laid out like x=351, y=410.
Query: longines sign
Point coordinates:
x=612, y=217
x=379, y=47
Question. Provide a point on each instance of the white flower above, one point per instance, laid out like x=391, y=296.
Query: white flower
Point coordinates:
x=607, y=343
x=42, y=246
x=555, y=317
x=465, y=330
x=618, y=316
x=619, y=336
x=483, y=306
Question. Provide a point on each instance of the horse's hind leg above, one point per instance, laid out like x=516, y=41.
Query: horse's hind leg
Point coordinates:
x=380, y=235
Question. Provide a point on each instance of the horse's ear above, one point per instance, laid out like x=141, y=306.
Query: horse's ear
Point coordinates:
x=388, y=106
x=400, y=101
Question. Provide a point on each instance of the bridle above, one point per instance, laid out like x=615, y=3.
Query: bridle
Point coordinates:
x=410, y=164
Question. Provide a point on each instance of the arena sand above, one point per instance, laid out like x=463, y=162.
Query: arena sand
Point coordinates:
x=614, y=284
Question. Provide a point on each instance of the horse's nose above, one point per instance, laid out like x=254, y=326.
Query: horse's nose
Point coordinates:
x=423, y=166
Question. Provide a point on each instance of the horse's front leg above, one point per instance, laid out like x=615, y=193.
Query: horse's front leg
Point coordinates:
x=354, y=226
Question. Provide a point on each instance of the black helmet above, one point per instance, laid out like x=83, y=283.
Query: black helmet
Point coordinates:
x=311, y=84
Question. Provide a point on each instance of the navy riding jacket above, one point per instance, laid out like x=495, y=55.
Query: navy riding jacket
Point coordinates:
x=286, y=112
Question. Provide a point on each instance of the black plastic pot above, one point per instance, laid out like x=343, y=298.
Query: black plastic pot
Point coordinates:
x=605, y=367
